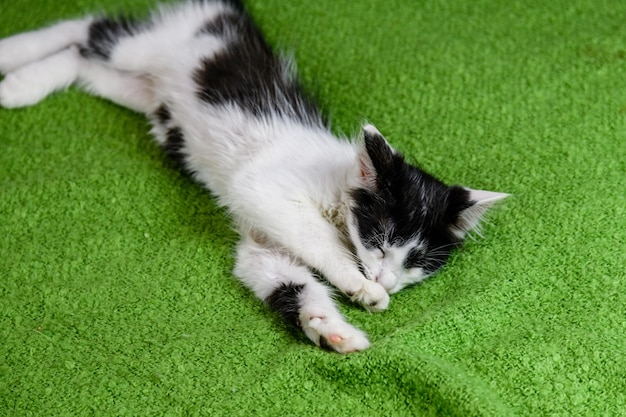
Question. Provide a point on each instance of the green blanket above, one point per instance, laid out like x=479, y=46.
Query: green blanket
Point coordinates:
x=116, y=289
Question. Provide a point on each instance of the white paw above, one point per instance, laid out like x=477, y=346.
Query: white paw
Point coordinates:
x=334, y=334
x=18, y=90
x=372, y=296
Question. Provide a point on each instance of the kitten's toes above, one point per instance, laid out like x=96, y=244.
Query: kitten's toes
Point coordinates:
x=334, y=334
x=372, y=296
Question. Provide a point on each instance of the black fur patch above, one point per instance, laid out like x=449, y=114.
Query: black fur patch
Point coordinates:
x=174, y=144
x=163, y=114
x=286, y=300
x=248, y=74
x=104, y=34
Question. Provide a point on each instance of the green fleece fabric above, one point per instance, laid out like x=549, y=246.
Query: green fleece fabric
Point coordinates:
x=116, y=289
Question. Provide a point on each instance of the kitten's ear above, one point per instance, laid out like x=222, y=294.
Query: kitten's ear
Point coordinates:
x=477, y=204
x=375, y=156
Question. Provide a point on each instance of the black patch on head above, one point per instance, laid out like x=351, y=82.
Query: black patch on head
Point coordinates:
x=407, y=202
x=286, y=300
x=104, y=34
x=174, y=144
x=247, y=74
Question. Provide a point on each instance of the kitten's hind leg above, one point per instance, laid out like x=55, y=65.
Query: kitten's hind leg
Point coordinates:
x=31, y=83
x=292, y=290
x=25, y=48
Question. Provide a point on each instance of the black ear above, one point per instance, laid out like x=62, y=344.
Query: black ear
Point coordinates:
x=466, y=208
x=375, y=157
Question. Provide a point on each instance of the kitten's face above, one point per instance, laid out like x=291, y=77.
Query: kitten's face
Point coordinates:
x=404, y=223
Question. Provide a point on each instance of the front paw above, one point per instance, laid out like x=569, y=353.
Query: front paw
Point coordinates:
x=372, y=296
x=333, y=333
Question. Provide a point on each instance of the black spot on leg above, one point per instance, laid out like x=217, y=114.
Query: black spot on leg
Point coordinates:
x=286, y=301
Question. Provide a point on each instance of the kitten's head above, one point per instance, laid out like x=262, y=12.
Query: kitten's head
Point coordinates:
x=403, y=222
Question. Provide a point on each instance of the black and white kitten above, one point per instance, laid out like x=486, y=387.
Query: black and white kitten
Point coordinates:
x=233, y=113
